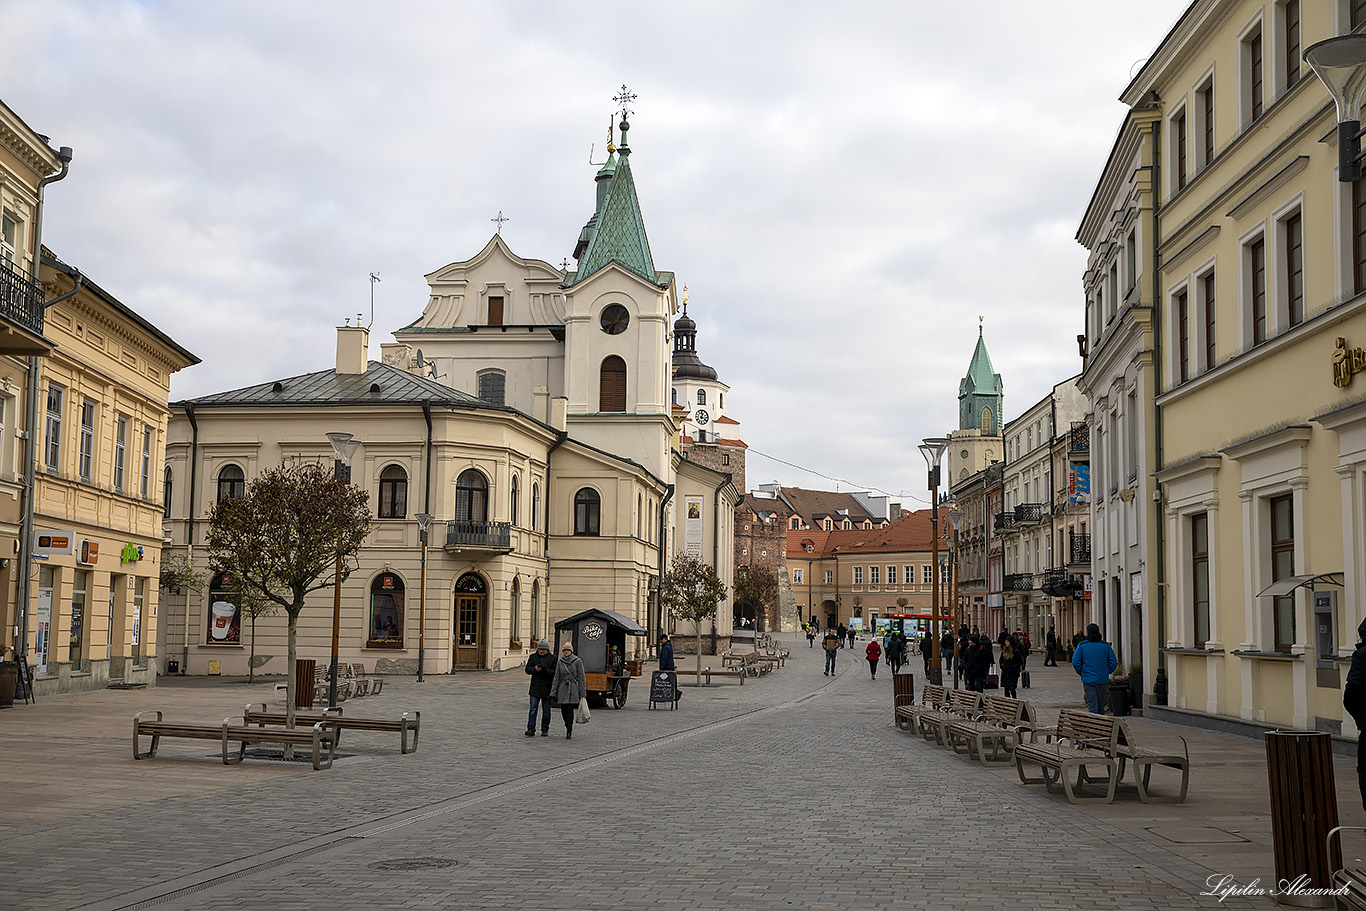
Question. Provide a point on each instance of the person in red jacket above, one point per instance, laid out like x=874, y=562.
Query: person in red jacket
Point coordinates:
x=874, y=653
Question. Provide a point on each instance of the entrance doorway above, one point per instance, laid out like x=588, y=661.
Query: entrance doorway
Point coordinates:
x=471, y=622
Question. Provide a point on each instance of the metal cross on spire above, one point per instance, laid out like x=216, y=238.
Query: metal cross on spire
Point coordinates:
x=500, y=219
x=564, y=265
x=625, y=98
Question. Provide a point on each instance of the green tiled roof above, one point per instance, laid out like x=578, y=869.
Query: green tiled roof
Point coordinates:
x=619, y=236
x=982, y=378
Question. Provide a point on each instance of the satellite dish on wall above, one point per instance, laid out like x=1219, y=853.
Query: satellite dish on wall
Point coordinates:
x=421, y=362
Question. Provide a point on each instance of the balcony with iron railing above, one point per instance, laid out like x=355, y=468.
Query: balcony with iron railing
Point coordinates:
x=1031, y=513
x=1018, y=582
x=1078, y=549
x=21, y=305
x=1005, y=523
x=1056, y=583
x=490, y=537
x=1079, y=440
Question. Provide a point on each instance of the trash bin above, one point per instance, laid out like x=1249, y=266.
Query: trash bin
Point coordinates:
x=1119, y=700
x=304, y=671
x=903, y=692
x=1304, y=808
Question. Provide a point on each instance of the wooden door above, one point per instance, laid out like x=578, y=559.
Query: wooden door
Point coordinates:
x=469, y=630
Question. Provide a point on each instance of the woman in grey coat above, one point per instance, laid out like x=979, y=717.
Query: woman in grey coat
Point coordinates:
x=568, y=686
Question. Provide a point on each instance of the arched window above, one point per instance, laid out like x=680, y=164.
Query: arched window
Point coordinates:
x=516, y=607
x=701, y=396
x=675, y=396
x=587, y=510
x=471, y=497
x=535, y=632
x=166, y=494
x=720, y=400
x=393, y=493
x=493, y=386
x=535, y=505
x=514, y=497
x=386, y=612
x=986, y=420
x=612, y=385
x=232, y=483
x=640, y=513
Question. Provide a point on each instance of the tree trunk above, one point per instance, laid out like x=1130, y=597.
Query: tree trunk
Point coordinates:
x=290, y=682
x=698, y=625
x=251, y=660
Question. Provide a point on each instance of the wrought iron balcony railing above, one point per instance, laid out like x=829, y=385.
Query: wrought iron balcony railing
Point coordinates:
x=1018, y=582
x=1078, y=548
x=1005, y=522
x=1030, y=513
x=21, y=298
x=489, y=535
x=1079, y=439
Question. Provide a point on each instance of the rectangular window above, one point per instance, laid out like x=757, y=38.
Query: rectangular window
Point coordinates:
x=1256, y=271
x=87, y=460
x=1207, y=294
x=80, y=624
x=1254, y=73
x=1283, y=565
x=1183, y=336
x=1294, y=269
x=858, y=575
x=493, y=387
x=139, y=602
x=495, y=311
x=120, y=450
x=908, y=575
x=1179, y=137
x=891, y=575
x=796, y=577
x=873, y=573
x=52, y=449
x=1200, y=576
x=1291, y=40
x=9, y=237
x=1207, y=113
x=829, y=577
x=1130, y=262
x=927, y=575
x=146, y=478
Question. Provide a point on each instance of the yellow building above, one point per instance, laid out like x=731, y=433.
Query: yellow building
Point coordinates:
x=1253, y=472
x=98, y=488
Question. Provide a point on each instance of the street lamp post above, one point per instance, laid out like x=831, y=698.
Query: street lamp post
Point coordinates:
x=1340, y=63
x=344, y=447
x=956, y=520
x=424, y=524
x=933, y=451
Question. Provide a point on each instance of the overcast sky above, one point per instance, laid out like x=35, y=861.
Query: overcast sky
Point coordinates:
x=844, y=187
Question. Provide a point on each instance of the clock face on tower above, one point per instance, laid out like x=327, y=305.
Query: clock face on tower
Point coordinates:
x=700, y=416
x=615, y=319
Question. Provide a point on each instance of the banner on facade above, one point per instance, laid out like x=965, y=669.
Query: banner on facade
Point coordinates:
x=692, y=527
x=42, y=613
x=1079, y=484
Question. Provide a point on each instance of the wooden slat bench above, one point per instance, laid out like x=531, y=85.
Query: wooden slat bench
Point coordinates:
x=961, y=704
x=1349, y=881
x=321, y=737
x=998, y=726
x=407, y=723
x=1144, y=760
x=1080, y=740
x=931, y=699
x=366, y=684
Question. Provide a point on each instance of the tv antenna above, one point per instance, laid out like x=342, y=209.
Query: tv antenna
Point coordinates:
x=374, y=280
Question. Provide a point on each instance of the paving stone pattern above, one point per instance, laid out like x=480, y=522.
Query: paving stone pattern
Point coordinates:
x=792, y=791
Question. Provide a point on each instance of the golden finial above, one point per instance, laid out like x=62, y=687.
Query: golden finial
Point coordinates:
x=611, y=146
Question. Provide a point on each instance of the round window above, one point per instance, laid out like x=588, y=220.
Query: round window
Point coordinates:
x=615, y=319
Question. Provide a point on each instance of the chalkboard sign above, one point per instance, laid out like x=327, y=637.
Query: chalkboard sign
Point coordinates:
x=663, y=687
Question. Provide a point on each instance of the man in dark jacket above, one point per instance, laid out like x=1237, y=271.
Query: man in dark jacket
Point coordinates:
x=1050, y=658
x=976, y=663
x=666, y=662
x=927, y=649
x=1354, y=701
x=541, y=667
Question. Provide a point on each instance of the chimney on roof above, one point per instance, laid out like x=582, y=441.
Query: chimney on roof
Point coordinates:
x=559, y=412
x=540, y=404
x=353, y=349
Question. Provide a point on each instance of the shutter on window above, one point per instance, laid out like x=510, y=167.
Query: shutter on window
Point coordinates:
x=495, y=311
x=612, y=389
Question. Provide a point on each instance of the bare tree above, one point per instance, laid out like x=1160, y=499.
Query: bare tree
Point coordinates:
x=692, y=591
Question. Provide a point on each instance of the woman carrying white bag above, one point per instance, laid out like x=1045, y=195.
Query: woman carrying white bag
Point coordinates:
x=569, y=689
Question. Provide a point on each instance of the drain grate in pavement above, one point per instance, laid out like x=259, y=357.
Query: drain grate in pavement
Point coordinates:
x=1197, y=835
x=410, y=864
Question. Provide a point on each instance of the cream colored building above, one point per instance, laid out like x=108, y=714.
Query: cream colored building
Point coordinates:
x=1259, y=289
x=94, y=611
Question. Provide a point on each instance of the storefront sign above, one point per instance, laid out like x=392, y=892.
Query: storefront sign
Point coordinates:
x=1346, y=361
x=43, y=615
x=131, y=553
x=47, y=543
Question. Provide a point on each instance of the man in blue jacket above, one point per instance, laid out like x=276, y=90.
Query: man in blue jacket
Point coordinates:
x=1094, y=661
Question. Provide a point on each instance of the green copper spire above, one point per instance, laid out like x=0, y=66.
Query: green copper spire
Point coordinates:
x=980, y=393
x=617, y=231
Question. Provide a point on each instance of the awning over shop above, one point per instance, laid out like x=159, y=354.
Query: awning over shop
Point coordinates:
x=1306, y=580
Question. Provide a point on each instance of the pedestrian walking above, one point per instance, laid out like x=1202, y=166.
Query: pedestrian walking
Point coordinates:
x=541, y=667
x=946, y=652
x=976, y=664
x=1050, y=655
x=666, y=662
x=811, y=634
x=830, y=643
x=853, y=635
x=1354, y=701
x=927, y=650
x=1012, y=662
x=842, y=632
x=1022, y=643
x=1094, y=660
x=568, y=686
x=874, y=652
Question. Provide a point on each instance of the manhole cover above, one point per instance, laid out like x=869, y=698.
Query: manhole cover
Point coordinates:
x=1197, y=835
x=409, y=864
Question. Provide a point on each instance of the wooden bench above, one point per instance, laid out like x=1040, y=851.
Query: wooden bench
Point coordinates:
x=744, y=662
x=407, y=723
x=366, y=684
x=961, y=704
x=1349, y=881
x=933, y=697
x=1080, y=740
x=322, y=736
x=999, y=726
x=1144, y=760
x=709, y=672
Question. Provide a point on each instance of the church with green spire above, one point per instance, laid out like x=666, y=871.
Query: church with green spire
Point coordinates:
x=981, y=398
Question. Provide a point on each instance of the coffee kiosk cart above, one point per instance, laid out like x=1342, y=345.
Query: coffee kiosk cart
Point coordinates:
x=599, y=639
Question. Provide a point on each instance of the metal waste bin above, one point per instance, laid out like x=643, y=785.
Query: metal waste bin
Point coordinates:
x=304, y=670
x=1304, y=808
x=903, y=693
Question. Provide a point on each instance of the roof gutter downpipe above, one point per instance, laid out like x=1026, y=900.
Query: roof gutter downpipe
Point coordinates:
x=25, y=556
x=663, y=540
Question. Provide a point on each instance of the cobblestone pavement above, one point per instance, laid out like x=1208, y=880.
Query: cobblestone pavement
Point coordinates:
x=790, y=791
